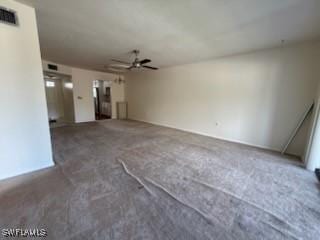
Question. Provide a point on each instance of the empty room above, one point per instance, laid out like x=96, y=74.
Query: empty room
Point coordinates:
x=149, y=119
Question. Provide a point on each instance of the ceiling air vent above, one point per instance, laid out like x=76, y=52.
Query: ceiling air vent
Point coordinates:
x=8, y=16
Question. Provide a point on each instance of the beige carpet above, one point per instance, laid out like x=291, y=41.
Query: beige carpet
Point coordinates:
x=132, y=180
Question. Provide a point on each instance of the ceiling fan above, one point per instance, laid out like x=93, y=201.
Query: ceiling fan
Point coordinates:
x=135, y=64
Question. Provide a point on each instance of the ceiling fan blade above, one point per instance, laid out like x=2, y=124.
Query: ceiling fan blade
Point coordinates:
x=115, y=60
x=144, y=61
x=153, y=68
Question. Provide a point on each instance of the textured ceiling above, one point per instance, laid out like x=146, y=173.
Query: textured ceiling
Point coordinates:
x=171, y=32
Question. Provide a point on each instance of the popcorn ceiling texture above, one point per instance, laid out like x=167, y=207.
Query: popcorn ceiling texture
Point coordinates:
x=132, y=180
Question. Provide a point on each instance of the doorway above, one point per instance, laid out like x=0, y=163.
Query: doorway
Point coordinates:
x=59, y=96
x=102, y=99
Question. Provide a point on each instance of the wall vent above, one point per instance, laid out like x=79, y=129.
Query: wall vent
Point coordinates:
x=53, y=67
x=8, y=16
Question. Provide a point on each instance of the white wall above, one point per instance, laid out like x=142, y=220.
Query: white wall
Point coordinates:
x=312, y=158
x=82, y=90
x=24, y=130
x=255, y=98
x=313, y=147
